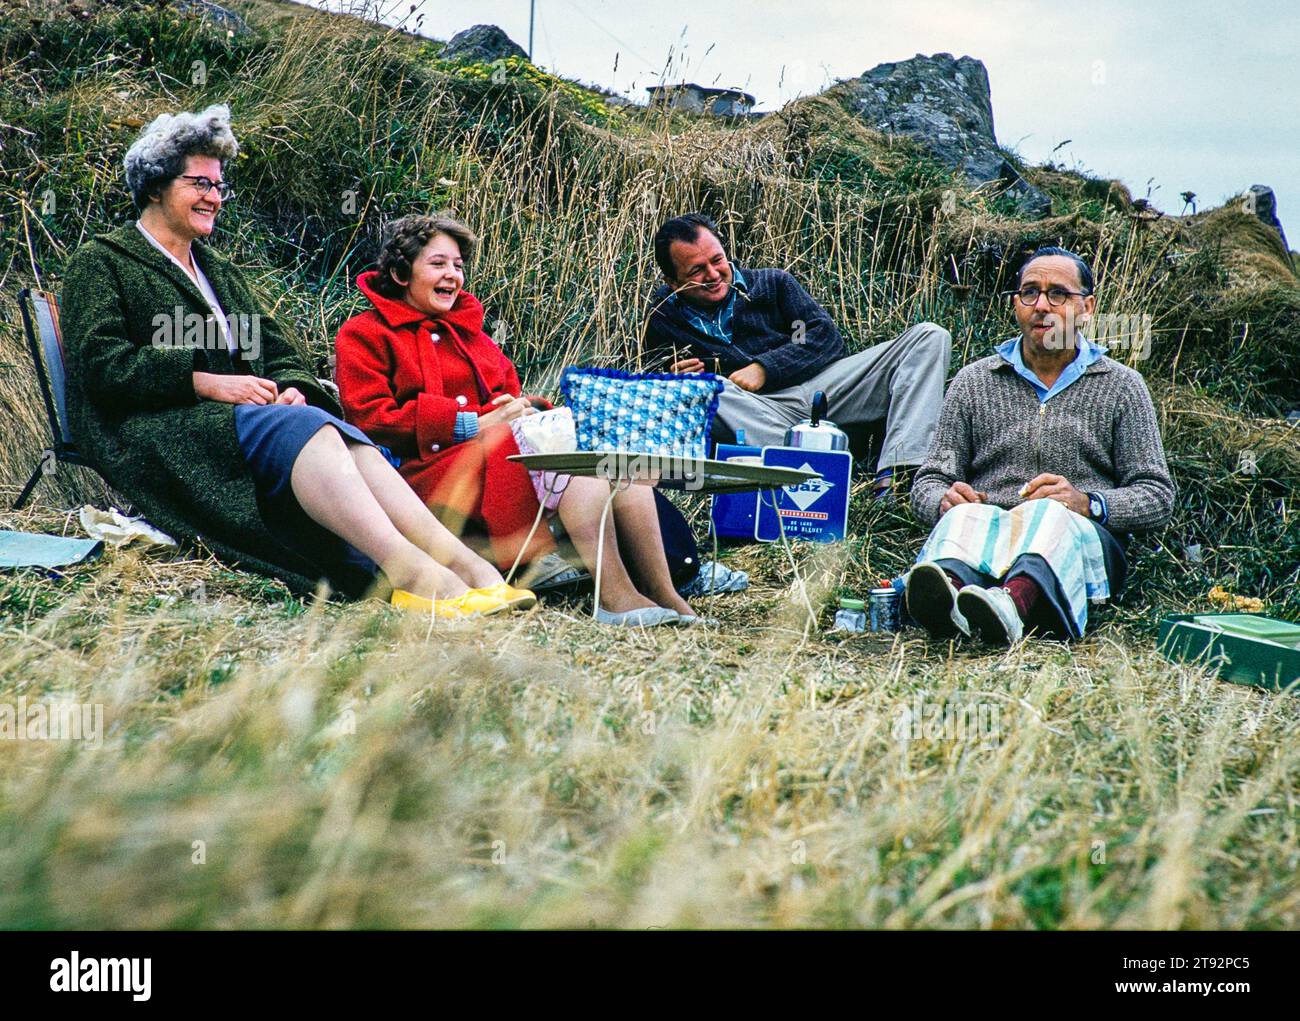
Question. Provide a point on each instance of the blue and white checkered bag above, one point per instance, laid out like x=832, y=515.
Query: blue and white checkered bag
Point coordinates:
x=645, y=413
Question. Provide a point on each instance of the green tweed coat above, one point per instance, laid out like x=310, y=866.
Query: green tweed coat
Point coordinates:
x=131, y=401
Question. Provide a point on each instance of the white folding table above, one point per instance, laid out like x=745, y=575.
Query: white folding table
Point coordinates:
x=687, y=474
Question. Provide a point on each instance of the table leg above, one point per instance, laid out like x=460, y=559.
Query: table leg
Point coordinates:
x=789, y=552
x=713, y=576
x=541, y=509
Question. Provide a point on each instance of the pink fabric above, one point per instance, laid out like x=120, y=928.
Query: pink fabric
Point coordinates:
x=549, y=486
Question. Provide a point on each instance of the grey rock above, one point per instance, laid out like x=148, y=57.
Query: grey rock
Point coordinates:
x=1265, y=204
x=220, y=16
x=702, y=99
x=944, y=103
x=482, y=44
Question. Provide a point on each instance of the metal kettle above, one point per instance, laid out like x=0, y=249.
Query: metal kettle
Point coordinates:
x=817, y=433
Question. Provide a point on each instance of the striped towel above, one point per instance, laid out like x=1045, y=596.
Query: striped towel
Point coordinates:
x=989, y=539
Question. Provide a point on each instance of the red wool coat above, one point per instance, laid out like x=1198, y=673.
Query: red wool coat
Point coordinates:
x=402, y=377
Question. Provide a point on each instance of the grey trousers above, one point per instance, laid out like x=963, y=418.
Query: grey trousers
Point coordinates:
x=900, y=381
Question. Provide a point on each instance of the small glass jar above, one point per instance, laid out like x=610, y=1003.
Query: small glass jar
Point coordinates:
x=851, y=616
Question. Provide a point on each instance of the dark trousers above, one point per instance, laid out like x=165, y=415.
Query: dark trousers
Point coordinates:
x=1051, y=615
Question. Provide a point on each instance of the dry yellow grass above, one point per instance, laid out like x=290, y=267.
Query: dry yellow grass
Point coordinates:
x=346, y=766
x=343, y=765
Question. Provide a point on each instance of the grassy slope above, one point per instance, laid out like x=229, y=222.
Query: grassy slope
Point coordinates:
x=345, y=766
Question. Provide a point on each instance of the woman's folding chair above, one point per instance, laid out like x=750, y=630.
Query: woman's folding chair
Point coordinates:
x=40, y=311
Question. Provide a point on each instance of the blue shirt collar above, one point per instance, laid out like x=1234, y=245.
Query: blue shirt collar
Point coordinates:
x=716, y=324
x=1086, y=353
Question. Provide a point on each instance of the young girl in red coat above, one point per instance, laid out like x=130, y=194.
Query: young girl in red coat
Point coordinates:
x=417, y=374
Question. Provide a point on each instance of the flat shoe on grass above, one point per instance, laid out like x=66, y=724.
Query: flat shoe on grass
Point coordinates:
x=515, y=598
x=471, y=604
x=645, y=616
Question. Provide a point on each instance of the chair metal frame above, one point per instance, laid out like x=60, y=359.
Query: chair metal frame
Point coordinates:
x=60, y=449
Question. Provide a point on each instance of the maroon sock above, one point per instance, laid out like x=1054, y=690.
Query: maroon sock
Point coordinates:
x=1024, y=592
x=956, y=582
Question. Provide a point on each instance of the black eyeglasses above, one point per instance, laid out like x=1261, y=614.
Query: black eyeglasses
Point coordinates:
x=206, y=184
x=1056, y=296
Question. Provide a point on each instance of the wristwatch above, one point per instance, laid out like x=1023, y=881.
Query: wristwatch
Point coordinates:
x=1095, y=507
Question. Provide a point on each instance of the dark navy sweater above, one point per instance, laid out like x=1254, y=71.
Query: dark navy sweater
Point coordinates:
x=776, y=323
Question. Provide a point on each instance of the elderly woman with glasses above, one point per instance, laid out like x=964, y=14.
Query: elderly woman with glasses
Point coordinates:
x=197, y=406
x=1047, y=457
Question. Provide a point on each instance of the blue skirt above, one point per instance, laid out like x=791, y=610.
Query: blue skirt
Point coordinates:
x=271, y=436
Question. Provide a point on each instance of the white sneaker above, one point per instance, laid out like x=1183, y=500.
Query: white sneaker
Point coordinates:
x=932, y=601
x=992, y=614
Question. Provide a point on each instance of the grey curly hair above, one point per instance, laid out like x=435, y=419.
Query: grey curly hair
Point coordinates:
x=159, y=154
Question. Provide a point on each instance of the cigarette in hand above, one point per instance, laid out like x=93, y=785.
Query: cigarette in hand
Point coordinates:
x=1024, y=489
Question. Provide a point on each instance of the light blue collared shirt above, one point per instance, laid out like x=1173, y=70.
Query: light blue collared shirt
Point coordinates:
x=1086, y=353
x=716, y=324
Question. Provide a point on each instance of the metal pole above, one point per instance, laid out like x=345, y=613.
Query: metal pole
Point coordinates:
x=532, y=11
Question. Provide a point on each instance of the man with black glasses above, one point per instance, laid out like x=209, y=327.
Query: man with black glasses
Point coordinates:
x=1047, y=456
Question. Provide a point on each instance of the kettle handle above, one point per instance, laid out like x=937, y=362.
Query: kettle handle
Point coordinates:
x=819, y=407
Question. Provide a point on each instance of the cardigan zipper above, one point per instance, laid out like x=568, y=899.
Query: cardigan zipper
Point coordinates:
x=1038, y=445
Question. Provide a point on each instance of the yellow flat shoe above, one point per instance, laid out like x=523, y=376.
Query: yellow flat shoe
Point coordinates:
x=517, y=598
x=471, y=604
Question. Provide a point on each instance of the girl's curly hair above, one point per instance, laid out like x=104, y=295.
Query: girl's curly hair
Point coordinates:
x=405, y=238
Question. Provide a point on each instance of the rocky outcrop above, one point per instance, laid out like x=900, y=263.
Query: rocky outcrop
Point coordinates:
x=220, y=16
x=944, y=103
x=702, y=99
x=482, y=44
x=1259, y=199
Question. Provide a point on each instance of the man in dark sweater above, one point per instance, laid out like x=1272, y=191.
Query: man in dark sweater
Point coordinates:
x=776, y=347
x=1048, y=421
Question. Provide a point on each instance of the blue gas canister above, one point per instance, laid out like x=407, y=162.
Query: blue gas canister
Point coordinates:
x=816, y=510
x=733, y=513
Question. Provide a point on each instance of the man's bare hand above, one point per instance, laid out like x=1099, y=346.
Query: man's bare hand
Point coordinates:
x=1058, y=488
x=213, y=386
x=960, y=492
x=687, y=365
x=293, y=396
x=751, y=377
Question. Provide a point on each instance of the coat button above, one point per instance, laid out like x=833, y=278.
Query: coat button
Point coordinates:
x=434, y=337
x=435, y=448
x=462, y=400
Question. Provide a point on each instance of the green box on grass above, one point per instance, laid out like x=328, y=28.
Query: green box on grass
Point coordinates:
x=1247, y=648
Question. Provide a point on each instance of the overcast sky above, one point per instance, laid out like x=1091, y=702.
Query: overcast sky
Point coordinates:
x=1191, y=95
